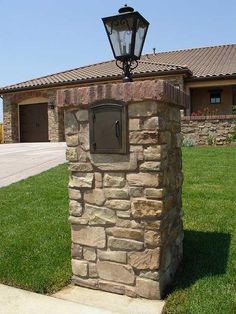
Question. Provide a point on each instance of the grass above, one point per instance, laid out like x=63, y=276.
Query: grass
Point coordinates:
x=35, y=235
x=207, y=281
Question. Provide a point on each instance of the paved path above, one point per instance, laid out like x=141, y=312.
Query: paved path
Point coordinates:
x=17, y=301
x=74, y=300
x=22, y=160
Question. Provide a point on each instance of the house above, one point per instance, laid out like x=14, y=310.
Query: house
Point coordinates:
x=207, y=74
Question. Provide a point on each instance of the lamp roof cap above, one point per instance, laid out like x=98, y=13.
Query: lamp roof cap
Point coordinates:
x=126, y=9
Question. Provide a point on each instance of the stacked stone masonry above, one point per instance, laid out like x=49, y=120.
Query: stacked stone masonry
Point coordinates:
x=210, y=130
x=125, y=210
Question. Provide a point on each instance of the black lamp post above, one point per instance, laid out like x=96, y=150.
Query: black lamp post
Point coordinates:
x=126, y=32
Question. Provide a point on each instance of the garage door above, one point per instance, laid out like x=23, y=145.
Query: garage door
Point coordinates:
x=33, y=123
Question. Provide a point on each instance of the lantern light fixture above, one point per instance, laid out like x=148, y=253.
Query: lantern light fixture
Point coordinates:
x=126, y=33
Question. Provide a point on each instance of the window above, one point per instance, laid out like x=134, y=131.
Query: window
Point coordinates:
x=215, y=96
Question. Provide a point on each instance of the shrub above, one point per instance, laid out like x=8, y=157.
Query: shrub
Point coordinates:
x=210, y=139
x=188, y=142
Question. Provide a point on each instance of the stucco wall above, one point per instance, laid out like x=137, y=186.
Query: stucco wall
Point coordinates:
x=200, y=99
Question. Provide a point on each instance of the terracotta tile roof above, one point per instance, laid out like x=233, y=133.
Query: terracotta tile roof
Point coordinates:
x=203, y=62
x=104, y=70
x=199, y=63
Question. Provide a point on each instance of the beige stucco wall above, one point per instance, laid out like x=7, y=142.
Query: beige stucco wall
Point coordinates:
x=200, y=99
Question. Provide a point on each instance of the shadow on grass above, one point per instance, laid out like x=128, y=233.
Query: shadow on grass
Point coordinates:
x=205, y=254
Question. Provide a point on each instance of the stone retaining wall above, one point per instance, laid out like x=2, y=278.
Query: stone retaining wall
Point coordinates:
x=125, y=210
x=210, y=130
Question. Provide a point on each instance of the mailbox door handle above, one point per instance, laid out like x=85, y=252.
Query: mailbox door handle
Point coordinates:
x=117, y=128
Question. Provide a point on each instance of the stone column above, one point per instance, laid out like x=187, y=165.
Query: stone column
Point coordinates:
x=125, y=210
x=10, y=123
x=55, y=119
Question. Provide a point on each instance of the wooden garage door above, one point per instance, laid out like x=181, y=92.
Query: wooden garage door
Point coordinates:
x=34, y=123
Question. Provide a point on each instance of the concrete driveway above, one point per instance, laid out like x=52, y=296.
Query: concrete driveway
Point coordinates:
x=22, y=160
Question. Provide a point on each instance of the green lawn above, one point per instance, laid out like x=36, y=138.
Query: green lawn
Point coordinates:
x=35, y=235
x=207, y=282
x=34, y=232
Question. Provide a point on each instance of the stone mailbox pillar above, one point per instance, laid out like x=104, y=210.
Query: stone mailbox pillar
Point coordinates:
x=125, y=209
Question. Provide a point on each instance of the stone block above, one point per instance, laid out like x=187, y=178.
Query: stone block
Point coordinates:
x=125, y=233
x=92, y=270
x=154, y=193
x=114, y=180
x=84, y=139
x=124, y=244
x=82, y=155
x=89, y=236
x=117, y=288
x=81, y=180
x=142, y=109
x=95, y=196
x=118, y=204
x=90, y=254
x=179, y=140
x=142, y=208
x=148, y=259
x=71, y=154
x=98, y=180
x=72, y=140
x=150, y=274
x=71, y=124
x=150, y=166
x=74, y=194
x=87, y=283
x=100, y=215
x=152, y=238
x=151, y=123
x=175, y=114
x=143, y=137
x=111, y=287
x=78, y=220
x=79, y=268
x=148, y=289
x=134, y=124
x=80, y=167
x=116, y=272
x=128, y=223
x=112, y=162
x=75, y=208
x=151, y=224
x=116, y=193
x=76, y=251
x=152, y=153
x=113, y=256
x=143, y=179
x=82, y=115
x=165, y=138
x=136, y=191
x=123, y=214
x=138, y=150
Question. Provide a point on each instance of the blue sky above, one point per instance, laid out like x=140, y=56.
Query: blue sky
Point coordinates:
x=40, y=37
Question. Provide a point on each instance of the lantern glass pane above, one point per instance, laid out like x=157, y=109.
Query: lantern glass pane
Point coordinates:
x=140, y=37
x=120, y=33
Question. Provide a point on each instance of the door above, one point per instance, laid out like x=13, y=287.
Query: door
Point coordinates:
x=234, y=98
x=33, y=123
